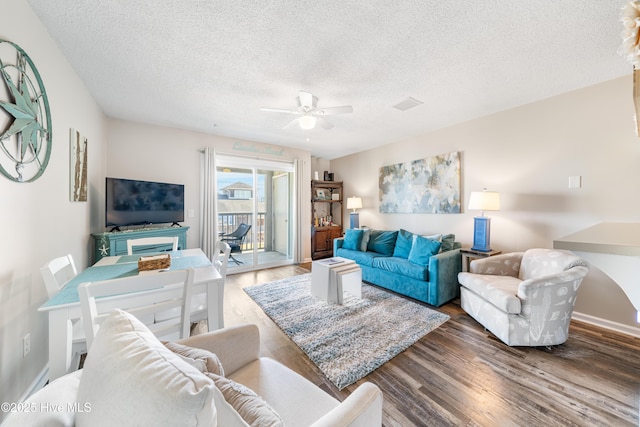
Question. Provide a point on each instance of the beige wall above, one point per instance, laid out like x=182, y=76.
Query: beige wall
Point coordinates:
x=156, y=153
x=527, y=154
x=38, y=220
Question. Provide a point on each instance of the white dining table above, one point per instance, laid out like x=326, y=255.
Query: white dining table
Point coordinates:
x=64, y=308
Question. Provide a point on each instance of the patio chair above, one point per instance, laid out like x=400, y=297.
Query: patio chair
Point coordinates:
x=235, y=240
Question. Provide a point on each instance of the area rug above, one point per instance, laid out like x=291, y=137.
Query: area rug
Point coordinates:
x=349, y=341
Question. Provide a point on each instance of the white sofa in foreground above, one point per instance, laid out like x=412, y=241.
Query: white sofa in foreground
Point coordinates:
x=214, y=379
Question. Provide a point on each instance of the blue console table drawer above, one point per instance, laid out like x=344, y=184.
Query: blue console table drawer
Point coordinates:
x=115, y=243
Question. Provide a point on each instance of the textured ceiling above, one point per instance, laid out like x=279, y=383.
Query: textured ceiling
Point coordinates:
x=210, y=66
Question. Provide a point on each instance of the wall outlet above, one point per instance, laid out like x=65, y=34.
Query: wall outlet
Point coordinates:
x=26, y=344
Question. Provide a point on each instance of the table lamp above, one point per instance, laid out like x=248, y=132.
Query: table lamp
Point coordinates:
x=354, y=218
x=483, y=201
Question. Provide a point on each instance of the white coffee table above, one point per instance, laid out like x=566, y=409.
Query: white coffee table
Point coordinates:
x=331, y=277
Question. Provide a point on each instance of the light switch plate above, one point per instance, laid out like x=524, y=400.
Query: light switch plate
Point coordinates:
x=575, y=181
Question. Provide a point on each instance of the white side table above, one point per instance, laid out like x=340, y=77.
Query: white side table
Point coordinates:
x=468, y=255
x=331, y=277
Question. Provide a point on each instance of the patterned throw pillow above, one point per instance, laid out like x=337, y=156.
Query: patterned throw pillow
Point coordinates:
x=448, y=242
x=252, y=408
x=201, y=359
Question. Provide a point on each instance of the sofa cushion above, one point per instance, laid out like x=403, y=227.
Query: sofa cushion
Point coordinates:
x=500, y=291
x=383, y=242
x=352, y=239
x=130, y=378
x=203, y=360
x=362, y=258
x=244, y=403
x=401, y=266
x=422, y=250
x=298, y=401
x=404, y=241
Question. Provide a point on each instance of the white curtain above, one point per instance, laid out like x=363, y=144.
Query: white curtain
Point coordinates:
x=208, y=212
x=298, y=200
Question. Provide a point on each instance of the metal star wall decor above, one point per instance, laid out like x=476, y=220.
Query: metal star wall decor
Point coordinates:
x=25, y=119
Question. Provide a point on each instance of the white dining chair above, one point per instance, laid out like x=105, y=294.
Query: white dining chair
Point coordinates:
x=143, y=296
x=152, y=241
x=220, y=261
x=56, y=274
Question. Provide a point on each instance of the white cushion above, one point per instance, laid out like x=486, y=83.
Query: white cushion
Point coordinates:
x=130, y=378
x=51, y=405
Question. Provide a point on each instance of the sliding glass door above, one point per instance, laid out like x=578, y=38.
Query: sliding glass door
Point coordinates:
x=259, y=194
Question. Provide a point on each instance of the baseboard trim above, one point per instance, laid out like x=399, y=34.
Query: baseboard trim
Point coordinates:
x=40, y=381
x=607, y=324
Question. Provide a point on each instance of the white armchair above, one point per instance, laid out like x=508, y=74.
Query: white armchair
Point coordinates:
x=524, y=298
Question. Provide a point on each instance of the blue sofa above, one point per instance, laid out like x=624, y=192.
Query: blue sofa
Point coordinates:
x=424, y=268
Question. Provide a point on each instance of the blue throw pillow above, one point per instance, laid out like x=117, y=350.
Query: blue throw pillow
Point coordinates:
x=403, y=244
x=382, y=242
x=422, y=250
x=352, y=239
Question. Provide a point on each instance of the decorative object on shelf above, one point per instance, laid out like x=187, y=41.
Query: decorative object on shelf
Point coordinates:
x=354, y=217
x=630, y=49
x=78, y=164
x=26, y=142
x=322, y=194
x=328, y=176
x=316, y=176
x=430, y=185
x=483, y=201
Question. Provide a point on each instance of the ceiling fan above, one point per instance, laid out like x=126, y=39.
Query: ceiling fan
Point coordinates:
x=309, y=113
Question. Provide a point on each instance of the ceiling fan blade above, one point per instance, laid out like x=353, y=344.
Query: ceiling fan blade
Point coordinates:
x=324, y=123
x=306, y=99
x=330, y=111
x=292, y=123
x=280, y=110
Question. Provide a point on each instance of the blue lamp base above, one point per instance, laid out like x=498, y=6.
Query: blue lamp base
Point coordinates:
x=481, y=234
x=354, y=220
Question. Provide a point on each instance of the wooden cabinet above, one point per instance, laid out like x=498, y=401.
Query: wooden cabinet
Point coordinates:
x=322, y=241
x=326, y=216
x=115, y=243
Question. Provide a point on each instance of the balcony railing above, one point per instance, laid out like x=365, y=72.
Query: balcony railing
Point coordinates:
x=228, y=222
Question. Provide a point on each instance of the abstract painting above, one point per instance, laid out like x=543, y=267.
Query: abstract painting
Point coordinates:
x=78, y=166
x=430, y=185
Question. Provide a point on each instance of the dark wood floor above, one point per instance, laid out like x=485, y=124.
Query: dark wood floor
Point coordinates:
x=460, y=375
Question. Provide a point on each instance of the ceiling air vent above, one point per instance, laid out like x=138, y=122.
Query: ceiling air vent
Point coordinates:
x=407, y=104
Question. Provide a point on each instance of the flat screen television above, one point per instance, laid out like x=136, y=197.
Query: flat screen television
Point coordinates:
x=133, y=202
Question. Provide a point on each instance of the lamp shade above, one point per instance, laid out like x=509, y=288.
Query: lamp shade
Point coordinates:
x=354, y=203
x=484, y=201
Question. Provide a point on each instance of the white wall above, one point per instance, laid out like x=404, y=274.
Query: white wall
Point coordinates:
x=527, y=154
x=155, y=153
x=38, y=220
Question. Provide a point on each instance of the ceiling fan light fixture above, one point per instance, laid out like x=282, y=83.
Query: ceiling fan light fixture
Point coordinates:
x=307, y=122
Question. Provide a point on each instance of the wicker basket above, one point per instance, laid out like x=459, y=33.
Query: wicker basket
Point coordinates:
x=154, y=262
